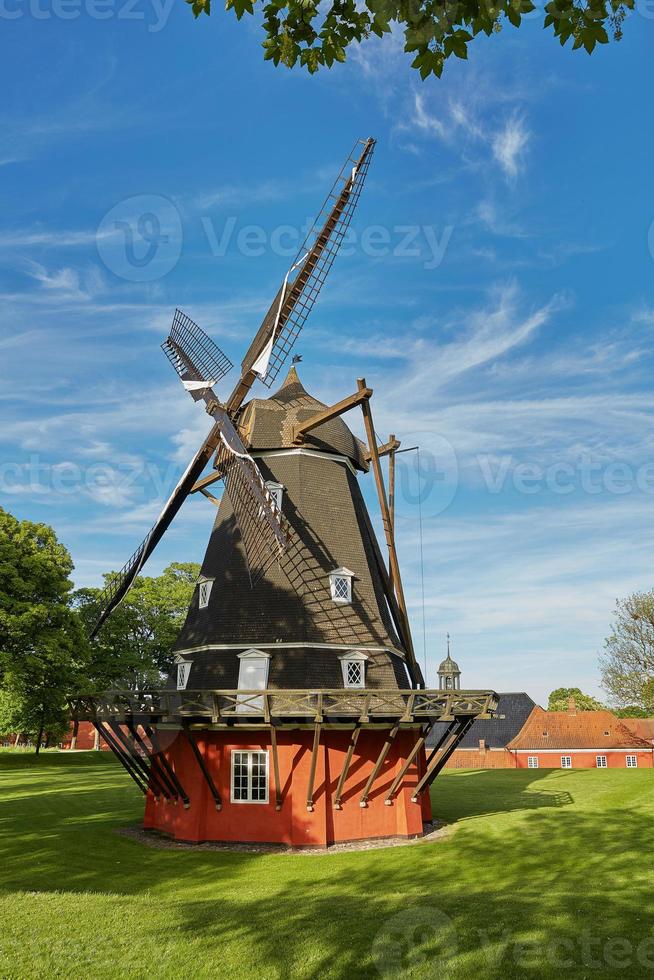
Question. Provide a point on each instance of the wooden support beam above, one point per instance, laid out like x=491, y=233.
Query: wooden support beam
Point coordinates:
x=301, y=430
x=275, y=755
x=388, y=531
x=387, y=449
x=314, y=760
x=203, y=768
x=346, y=767
x=139, y=764
x=405, y=768
x=158, y=773
x=461, y=727
x=124, y=761
x=380, y=761
x=214, y=500
x=395, y=445
x=206, y=481
x=152, y=735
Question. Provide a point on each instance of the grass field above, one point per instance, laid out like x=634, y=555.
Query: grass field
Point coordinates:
x=545, y=874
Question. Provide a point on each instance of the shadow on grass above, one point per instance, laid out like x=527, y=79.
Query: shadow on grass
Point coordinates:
x=534, y=883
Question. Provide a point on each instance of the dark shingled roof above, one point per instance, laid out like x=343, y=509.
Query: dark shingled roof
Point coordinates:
x=497, y=732
x=267, y=423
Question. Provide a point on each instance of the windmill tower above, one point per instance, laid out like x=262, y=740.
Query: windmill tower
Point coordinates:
x=296, y=712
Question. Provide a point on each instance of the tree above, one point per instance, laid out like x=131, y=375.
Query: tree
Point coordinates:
x=627, y=663
x=317, y=34
x=134, y=647
x=42, y=645
x=559, y=700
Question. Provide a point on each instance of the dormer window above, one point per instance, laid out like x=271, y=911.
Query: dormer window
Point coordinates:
x=340, y=585
x=276, y=491
x=204, y=592
x=183, y=673
x=353, y=666
x=252, y=676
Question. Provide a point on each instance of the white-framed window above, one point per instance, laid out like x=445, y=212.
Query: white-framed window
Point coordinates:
x=632, y=762
x=566, y=762
x=204, y=592
x=340, y=585
x=532, y=762
x=353, y=666
x=249, y=776
x=276, y=491
x=183, y=673
x=252, y=676
x=600, y=761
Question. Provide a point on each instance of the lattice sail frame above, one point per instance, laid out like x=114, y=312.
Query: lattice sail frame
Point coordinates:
x=297, y=294
x=194, y=355
x=263, y=529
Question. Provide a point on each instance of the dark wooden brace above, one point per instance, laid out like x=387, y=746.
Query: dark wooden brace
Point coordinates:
x=170, y=772
x=439, y=755
x=120, y=755
x=203, y=768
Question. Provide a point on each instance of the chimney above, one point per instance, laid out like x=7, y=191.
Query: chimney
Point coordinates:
x=482, y=744
x=572, y=706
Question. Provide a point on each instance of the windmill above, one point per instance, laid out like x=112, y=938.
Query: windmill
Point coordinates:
x=295, y=685
x=200, y=365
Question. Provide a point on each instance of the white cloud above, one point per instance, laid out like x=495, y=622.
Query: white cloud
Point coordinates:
x=510, y=145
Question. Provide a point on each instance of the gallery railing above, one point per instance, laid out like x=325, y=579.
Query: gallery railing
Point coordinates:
x=230, y=706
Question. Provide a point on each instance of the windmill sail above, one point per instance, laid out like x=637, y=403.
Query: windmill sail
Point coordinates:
x=199, y=362
x=263, y=531
x=304, y=280
x=121, y=583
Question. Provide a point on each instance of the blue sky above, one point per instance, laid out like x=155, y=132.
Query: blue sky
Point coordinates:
x=497, y=295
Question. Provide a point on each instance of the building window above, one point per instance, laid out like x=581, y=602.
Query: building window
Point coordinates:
x=601, y=761
x=276, y=491
x=545, y=734
x=340, y=584
x=204, y=593
x=249, y=777
x=183, y=672
x=607, y=733
x=353, y=666
x=566, y=762
x=632, y=762
x=532, y=762
x=252, y=676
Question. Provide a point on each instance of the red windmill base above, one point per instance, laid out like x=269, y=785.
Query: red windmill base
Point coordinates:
x=307, y=804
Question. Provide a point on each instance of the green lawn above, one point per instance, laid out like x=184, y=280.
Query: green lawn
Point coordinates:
x=545, y=874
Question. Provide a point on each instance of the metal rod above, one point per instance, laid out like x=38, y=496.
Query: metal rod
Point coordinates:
x=346, y=766
x=203, y=768
x=409, y=759
x=314, y=760
x=380, y=761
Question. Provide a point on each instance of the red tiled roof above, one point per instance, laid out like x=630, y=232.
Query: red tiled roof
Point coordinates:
x=642, y=727
x=576, y=730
